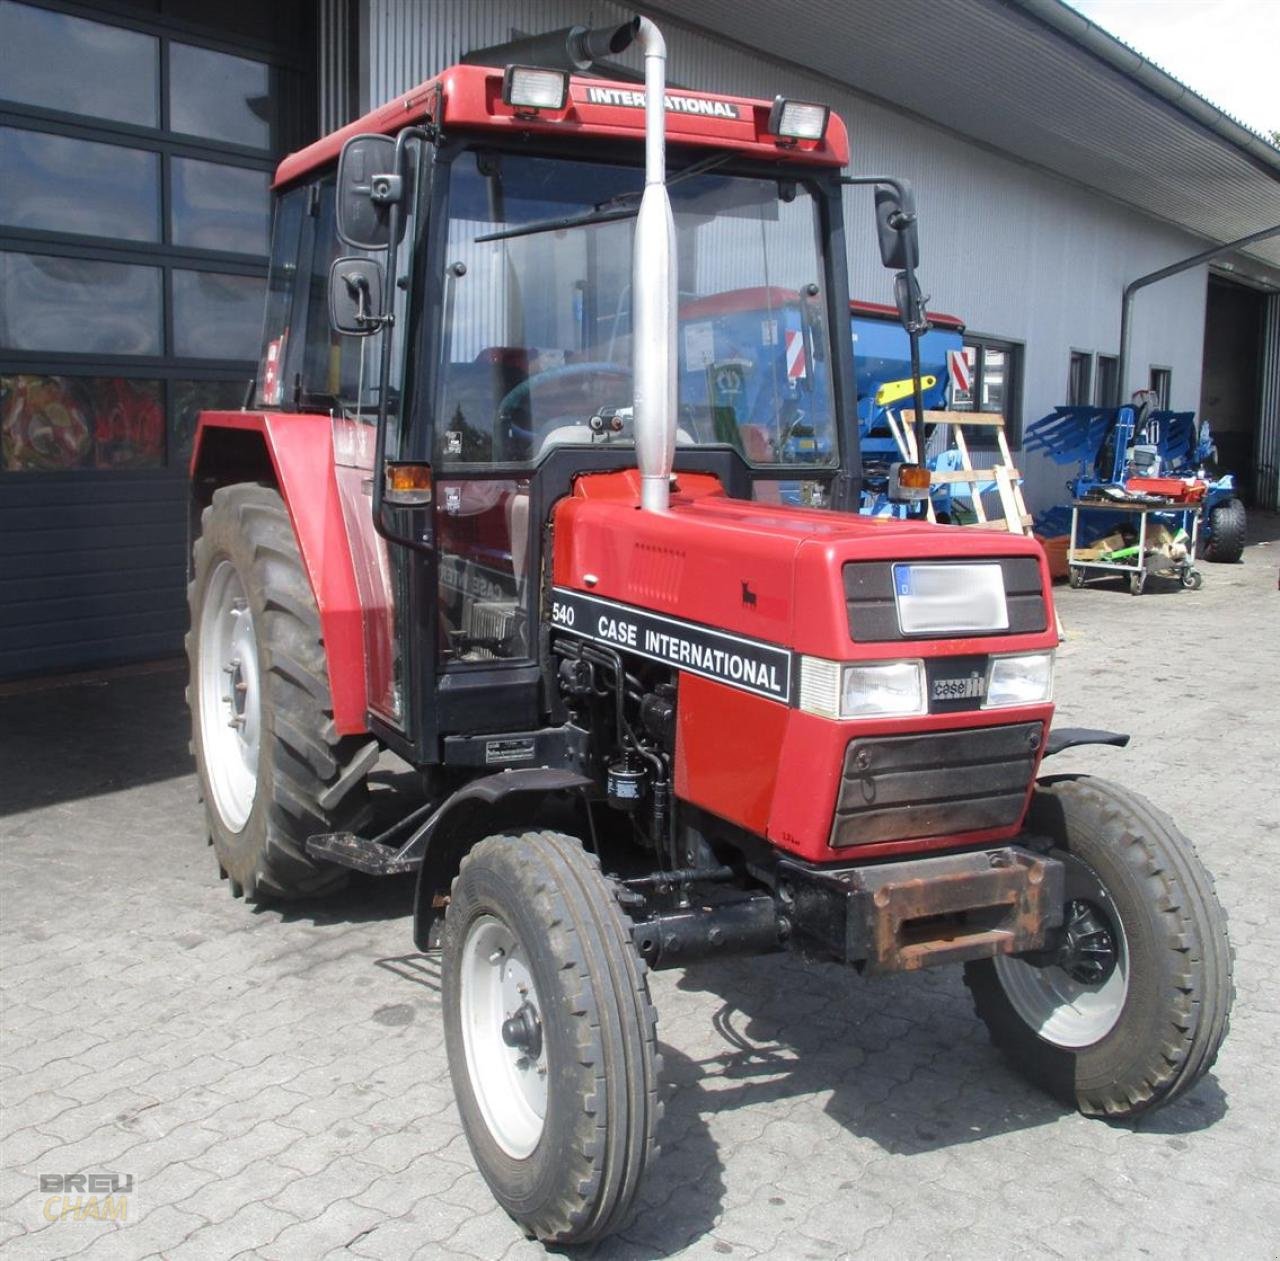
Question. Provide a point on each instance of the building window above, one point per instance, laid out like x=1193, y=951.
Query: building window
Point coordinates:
x=58, y=62
x=1079, y=378
x=1162, y=387
x=995, y=369
x=222, y=97
x=49, y=302
x=49, y=424
x=59, y=183
x=135, y=171
x=1107, y=367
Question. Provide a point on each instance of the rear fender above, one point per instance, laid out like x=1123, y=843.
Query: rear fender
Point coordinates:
x=297, y=452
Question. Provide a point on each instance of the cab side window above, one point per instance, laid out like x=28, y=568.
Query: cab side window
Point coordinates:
x=282, y=284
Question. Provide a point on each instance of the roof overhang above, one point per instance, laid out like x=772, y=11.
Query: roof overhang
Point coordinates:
x=1035, y=80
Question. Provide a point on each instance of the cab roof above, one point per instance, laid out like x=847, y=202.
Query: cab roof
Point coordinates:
x=469, y=98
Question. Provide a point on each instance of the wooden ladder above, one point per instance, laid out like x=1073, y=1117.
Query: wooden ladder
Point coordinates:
x=1014, y=515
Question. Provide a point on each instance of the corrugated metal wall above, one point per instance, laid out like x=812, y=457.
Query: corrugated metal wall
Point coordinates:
x=92, y=569
x=336, y=66
x=1267, y=481
x=1020, y=254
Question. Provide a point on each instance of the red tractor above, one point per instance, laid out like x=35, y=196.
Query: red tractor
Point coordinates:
x=475, y=517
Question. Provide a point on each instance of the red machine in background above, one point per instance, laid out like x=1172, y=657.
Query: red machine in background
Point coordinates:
x=475, y=518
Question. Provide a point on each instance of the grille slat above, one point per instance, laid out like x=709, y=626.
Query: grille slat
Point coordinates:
x=934, y=784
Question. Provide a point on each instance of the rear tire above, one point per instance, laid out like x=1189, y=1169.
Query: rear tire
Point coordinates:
x=1226, y=540
x=1146, y=1032
x=258, y=670
x=560, y=1107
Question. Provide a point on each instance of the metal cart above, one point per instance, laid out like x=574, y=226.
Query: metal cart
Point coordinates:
x=1140, y=566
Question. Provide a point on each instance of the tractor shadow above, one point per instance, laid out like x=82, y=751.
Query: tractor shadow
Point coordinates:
x=901, y=1061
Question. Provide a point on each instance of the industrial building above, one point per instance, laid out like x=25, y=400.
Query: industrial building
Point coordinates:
x=1052, y=165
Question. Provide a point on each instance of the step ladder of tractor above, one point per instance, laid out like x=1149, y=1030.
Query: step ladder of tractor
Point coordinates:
x=1014, y=516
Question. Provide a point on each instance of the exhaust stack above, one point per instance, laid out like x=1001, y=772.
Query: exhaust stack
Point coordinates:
x=654, y=289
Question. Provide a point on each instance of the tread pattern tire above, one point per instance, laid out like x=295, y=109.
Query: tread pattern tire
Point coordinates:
x=303, y=761
x=581, y=1182
x=1177, y=1010
x=1225, y=544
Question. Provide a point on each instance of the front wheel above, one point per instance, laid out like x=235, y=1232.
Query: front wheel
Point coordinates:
x=1127, y=1007
x=551, y=1037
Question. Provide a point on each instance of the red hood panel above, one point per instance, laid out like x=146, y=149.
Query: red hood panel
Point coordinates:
x=762, y=571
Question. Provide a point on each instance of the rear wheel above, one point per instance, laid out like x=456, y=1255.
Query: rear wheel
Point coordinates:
x=272, y=768
x=551, y=1036
x=1128, y=1008
x=1225, y=543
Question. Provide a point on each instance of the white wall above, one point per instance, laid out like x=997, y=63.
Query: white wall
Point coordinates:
x=1016, y=252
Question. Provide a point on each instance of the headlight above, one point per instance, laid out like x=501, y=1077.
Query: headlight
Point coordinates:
x=799, y=120
x=531, y=87
x=881, y=689
x=1024, y=679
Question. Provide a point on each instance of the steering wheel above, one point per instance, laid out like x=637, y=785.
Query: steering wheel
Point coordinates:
x=518, y=397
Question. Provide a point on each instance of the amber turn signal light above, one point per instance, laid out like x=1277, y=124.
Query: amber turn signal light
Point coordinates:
x=913, y=476
x=409, y=484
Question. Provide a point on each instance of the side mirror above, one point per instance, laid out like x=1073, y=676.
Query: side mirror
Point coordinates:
x=896, y=228
x=368, y=186
x=355, y=296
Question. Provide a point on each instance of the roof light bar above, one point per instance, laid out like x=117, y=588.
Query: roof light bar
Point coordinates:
x=798, y=120
x=531, y=87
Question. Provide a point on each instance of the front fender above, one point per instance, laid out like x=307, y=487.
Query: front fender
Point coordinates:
x=485, y=806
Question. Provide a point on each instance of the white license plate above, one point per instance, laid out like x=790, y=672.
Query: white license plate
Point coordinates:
x=941, y=599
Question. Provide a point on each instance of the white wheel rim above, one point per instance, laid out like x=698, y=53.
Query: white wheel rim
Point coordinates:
x=1066, y=1012
x=230, y=696
x=509, y=1085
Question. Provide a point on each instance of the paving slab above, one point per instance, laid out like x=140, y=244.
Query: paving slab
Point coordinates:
x=275, y=1081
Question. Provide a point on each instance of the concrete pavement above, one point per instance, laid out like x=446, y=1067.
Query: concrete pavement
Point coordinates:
x=274, y=1082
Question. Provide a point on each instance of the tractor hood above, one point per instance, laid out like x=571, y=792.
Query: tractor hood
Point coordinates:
x=812, y=581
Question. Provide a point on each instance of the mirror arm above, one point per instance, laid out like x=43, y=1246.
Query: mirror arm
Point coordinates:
x=916, y=322
x=386, y=318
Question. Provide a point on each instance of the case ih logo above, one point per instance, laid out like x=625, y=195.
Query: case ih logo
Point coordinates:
x=675, y=104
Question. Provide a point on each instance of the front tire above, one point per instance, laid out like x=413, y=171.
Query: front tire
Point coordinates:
x=272, y=769
x=551, y=1037
x=1133, y=1016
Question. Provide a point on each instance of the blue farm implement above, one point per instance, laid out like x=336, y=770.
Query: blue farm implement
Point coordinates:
x=1135, y=454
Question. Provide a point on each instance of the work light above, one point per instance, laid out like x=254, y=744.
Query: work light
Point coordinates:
x=1024, y=678
x=798, y=120
x=531, y=87
x=878, y=689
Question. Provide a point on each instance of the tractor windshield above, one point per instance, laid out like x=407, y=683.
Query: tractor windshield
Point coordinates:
x=536, y=350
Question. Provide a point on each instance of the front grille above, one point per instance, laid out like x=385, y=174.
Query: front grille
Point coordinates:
x=898, y=788
x=873, y=612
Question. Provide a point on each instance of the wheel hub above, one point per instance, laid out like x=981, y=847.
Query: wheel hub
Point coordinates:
x=524, y=1031
x=1088, y=950
x=1073, y=992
